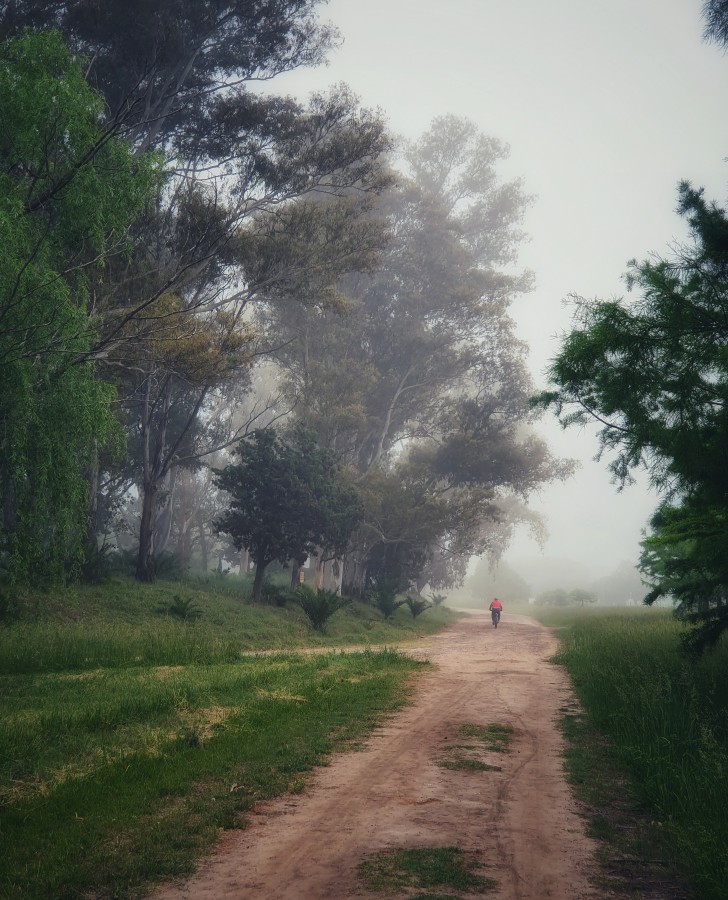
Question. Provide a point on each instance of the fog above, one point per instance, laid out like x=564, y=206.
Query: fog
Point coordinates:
x=606, y=108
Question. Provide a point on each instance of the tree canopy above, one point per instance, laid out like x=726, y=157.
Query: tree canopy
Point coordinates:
x=654, y=374
x=287, y=497
x=69, y=190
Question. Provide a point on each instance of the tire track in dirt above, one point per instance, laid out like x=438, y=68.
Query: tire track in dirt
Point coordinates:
x=520, y=821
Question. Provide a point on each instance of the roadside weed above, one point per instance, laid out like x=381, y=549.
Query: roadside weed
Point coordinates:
x=474, y=757
x=425, y=867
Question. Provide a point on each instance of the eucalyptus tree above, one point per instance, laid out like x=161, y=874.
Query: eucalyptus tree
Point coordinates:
x=177, y=76
x=419, y=353
x=161, y=66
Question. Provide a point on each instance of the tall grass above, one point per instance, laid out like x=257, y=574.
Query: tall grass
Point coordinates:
x=667, y=719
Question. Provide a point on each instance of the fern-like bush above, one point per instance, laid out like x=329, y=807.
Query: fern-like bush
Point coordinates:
x=384, y=597
x=319, y=605
x=417, y=605
x=274, y=594
x=179, y=608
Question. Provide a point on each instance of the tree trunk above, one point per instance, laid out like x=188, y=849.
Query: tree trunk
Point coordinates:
x=244, y=560
x=295, y=575
x=184, y=545
x=145, y=559
x=163, y=525
x=337, y=576
x=258, y=581
x=318, y=569
x=92, y=479
x=203, y=540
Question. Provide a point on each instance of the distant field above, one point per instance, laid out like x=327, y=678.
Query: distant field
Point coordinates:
x=130, y=737
x=666, y=718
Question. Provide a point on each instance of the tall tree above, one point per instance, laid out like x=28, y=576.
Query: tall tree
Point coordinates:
x=654, y=374
x=420, y=354
x=69, y=190
x=161, y=65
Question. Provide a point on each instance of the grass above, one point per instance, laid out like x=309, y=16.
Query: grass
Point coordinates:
x=492, y=738
x=442, y=868
x=660, y=720
x=119, y=624
x=130, y=738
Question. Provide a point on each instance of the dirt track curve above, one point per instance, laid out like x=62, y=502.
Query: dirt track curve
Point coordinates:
x=392, y=794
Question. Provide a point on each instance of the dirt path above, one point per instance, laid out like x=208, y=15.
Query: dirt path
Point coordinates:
x=392, y=794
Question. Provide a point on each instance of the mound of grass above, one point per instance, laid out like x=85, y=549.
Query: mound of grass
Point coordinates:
x=118, y=624
x=492, y=738
x=447, y=868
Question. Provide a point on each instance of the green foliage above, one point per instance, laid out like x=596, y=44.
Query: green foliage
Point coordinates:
x=562, y=597
x=555, y=597
x=182, y=608
x=582, y=596
x=437, y=599
x=384, y=597
x=273, y=593
x=319, y=605
x=416, y=605
x=654, y=374
x=68, y=191
x=287, y=498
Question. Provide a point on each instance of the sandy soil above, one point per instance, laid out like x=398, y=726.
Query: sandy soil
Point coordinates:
x=520, y=820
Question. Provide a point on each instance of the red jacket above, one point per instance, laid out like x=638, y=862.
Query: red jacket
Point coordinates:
x=496, y=604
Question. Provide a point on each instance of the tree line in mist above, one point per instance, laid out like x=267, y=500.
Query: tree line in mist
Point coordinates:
x=234, y=325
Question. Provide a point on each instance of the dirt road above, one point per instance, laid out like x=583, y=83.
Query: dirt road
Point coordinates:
x=518, y=816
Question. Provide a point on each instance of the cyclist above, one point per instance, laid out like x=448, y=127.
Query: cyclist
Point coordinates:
x=495, y=608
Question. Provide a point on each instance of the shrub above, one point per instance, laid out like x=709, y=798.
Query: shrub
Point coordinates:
x=416, y=605
x=437, y=599
x=384, y=597
x=274, y=594
x=319, y=605
x=187, y=610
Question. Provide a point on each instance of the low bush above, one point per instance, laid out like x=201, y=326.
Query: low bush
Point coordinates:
x=416, y=605
x=384, y=598
x=319, y=605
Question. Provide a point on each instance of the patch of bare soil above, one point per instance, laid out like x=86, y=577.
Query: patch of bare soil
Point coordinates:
x=511, y=807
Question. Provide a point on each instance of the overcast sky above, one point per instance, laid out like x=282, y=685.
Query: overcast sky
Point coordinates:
x=606, y=105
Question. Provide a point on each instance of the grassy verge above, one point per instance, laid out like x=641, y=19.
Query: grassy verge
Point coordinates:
x=120, y=624
x=115, y=777
x=650, y=750
x=130, y=737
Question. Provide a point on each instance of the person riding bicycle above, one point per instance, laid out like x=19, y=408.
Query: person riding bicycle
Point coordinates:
x=496, y=607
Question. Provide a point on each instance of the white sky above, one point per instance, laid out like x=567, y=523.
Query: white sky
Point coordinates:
x=607, y=105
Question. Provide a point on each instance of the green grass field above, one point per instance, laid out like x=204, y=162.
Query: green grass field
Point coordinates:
x=130, y=738
x=666, y=719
